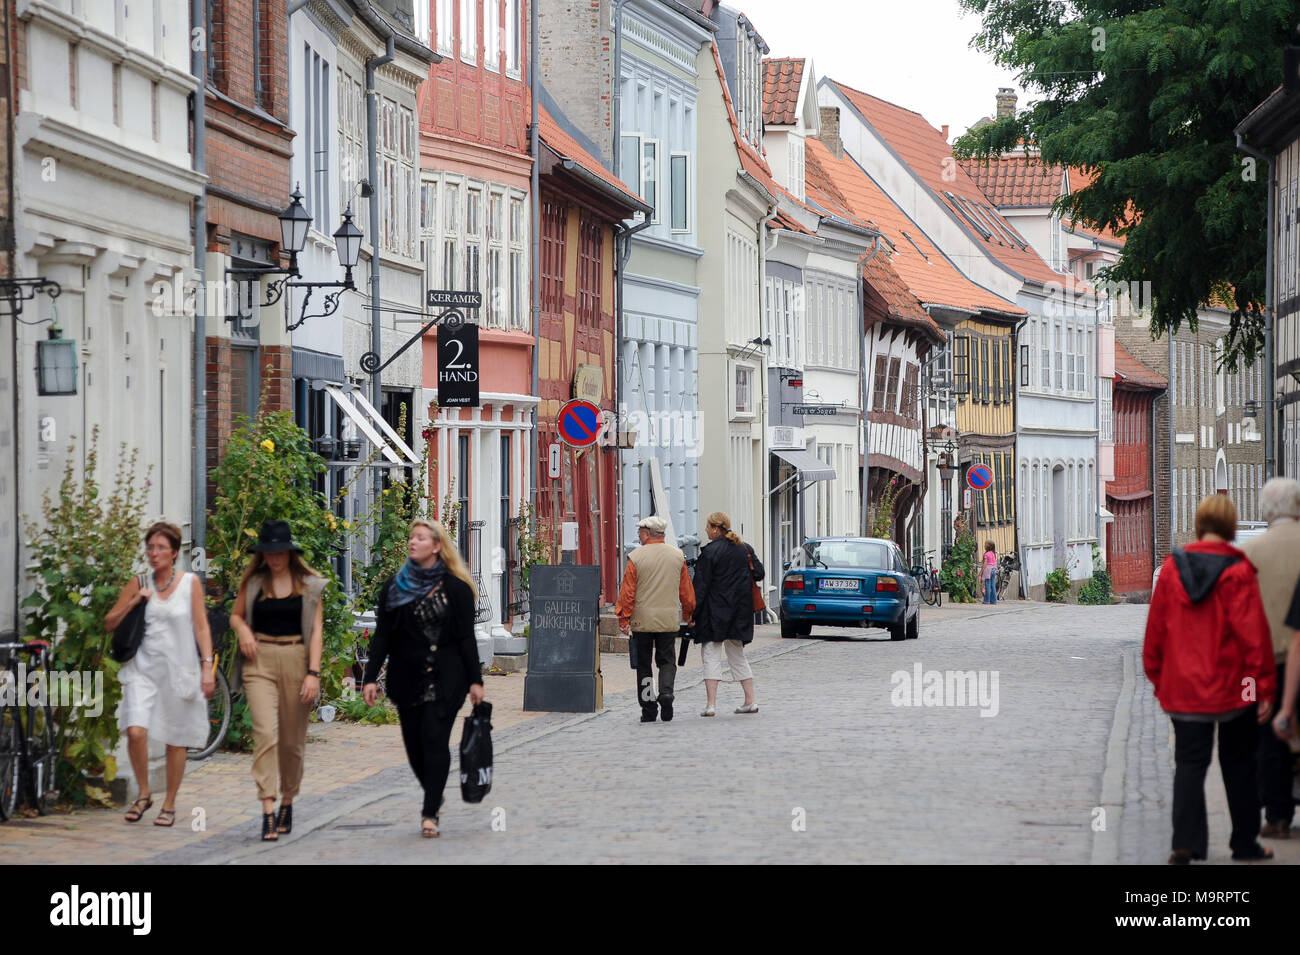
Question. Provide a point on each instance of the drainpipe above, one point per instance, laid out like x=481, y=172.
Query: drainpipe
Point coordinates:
x=1015, y=449
x=372, y=159
x=623, y=246
x=863, y=503
x=1096, y=418
x=199, y=465
x=535, y=214
x=1270, y=372
x=1173, y=525
x=763, y=249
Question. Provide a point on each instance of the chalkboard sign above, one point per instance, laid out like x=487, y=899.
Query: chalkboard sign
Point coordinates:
x=564, y=617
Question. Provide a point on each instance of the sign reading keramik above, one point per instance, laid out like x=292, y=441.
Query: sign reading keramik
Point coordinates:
x=446, y=298
x=563, y=660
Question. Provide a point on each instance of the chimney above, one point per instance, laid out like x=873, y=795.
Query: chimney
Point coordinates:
x=831, y=130
x=945, y=132
x=1006, y=100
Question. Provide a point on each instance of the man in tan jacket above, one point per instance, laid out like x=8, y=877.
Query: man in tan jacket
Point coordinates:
x=1276, y=556
x=656, y=596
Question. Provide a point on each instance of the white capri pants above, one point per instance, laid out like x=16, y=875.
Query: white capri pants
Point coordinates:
x=735, y=650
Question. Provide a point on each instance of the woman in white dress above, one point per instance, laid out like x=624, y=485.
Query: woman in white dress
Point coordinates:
x=165, y=686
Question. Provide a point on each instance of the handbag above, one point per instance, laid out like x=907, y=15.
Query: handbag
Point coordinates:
x=476, y=754
x=756, y=592
x=128, y=634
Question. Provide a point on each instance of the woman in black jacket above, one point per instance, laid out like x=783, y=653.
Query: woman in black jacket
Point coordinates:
x=724, y=608
x=424, y=628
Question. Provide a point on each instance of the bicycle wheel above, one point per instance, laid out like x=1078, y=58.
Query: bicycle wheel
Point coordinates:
x=927, y=591
x=42, y=758
x=938, y=591
x=11, y=748
x=218, y=720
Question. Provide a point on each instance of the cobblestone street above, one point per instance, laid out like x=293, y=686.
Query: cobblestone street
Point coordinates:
x=829, y=770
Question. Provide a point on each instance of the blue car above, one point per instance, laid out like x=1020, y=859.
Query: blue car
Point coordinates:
x=850, y=582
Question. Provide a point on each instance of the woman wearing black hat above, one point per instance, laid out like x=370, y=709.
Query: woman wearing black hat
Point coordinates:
x=277, y=616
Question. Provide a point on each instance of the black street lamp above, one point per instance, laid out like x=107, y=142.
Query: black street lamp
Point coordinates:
x=295, y=221
x=56, y=357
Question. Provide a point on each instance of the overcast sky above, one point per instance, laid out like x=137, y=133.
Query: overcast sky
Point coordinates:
x=915, y=53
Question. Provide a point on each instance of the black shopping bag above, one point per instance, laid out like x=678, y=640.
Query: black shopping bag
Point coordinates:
x=686, y=634
x=476, y=754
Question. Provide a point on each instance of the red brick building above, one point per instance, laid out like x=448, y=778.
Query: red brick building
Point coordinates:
x=475, y=236
x=249, y=147
x=583, y=208
x=1130, y=545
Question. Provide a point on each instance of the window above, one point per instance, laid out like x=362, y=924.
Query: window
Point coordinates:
x=961, y=382
x=744, y=403
x=315, y=137
x=910, y=391
x=553, y=241
x=590, y=248
x=469, y=30
x=680, y=191
x=512, y=37
x=891, y=387
x=473, y=237
x=796, y=165
x=878, y=383
x=445, y=28
x=650, y=176
x=997, y=373
x=1059, y=351
x=518, y=256
x=492, y=35
x=984, y=371
x=1044, y=335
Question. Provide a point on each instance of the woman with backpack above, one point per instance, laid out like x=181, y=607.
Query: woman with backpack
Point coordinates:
x=724, y=609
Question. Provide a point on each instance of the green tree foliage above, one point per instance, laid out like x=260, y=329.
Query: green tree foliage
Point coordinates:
x=269, y=472
x=958, y=574
x=1146, y=94
x=83, y=551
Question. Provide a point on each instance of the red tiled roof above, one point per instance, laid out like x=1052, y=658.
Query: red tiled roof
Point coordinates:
x=923, y=149
x=565, y=146
x=840, y=186
x=898, y=298
x=1016, y=180
x=1130, y=371
x=1081, y=179
x=783, y=221
x=781, y=81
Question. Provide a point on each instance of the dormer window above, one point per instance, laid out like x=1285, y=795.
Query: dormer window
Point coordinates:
x=749, y=84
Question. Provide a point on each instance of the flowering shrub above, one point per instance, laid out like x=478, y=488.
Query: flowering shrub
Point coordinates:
x=958, y=572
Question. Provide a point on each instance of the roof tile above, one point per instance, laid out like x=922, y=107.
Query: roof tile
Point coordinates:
x=782, y=79
x=566, y=146
x=1132, y=372
x=1016, y=180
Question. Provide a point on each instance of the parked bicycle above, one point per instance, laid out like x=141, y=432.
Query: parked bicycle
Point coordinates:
x=221, y=703
x=1006, y=565
x=27, y=749
x=928, y=579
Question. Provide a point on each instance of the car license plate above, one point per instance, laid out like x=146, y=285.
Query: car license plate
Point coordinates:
x=838, y=583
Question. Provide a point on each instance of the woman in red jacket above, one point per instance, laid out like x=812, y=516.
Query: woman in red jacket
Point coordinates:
x=1209, y=656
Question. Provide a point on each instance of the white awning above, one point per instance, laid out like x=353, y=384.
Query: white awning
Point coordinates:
x=363, y=425
x=1106, y=516
x=385, y=427
x=809, y=466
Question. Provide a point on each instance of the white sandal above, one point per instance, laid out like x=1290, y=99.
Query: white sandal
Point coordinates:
x=709, y=711
x=752, y=708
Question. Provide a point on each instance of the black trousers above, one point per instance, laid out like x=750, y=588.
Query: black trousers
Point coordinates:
x=665, y=658
x=427, y=737
x=1274, y=758
x=1193, y=745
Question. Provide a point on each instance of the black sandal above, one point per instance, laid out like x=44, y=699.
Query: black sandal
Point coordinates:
x=268, y=827
x=136, y=811
x=1255, y=853
x=284, y=821
x=166, y=818
x=429, y=827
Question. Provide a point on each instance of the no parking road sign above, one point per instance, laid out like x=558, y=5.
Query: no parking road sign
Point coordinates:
x=980, y=477
x=579, y=423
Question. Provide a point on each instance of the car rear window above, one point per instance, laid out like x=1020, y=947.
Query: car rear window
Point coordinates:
x=859, y=555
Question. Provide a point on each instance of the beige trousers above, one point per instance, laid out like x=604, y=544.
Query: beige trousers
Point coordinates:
x=711, y=654
x=272, y=684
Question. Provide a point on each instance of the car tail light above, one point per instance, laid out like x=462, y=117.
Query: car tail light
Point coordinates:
x=792, y=583
x=886, y=583
x=809, y=606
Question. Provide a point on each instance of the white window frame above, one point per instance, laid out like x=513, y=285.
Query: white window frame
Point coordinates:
x=445, y=27
x=491, y=35
x=514, y=52
x=469, y=37
x=672, y=193
x=655, y=167
x=751, y=373
x=517, y=260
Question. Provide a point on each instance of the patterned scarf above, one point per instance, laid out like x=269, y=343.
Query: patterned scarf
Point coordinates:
x=413, y=582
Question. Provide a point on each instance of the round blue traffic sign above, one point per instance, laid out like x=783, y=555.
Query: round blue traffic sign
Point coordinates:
x=980, y=477
x=579, y=423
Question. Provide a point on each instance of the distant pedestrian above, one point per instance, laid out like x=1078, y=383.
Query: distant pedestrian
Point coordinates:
x=724, y=614
x=654, y=599
x=424, y=628
x=989, y=573
x=1207, y=653
x=279, y=621
x=166, y=683
x=1276, y=556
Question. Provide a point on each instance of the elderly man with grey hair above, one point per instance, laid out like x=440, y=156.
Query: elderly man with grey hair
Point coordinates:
x=1276, y=556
